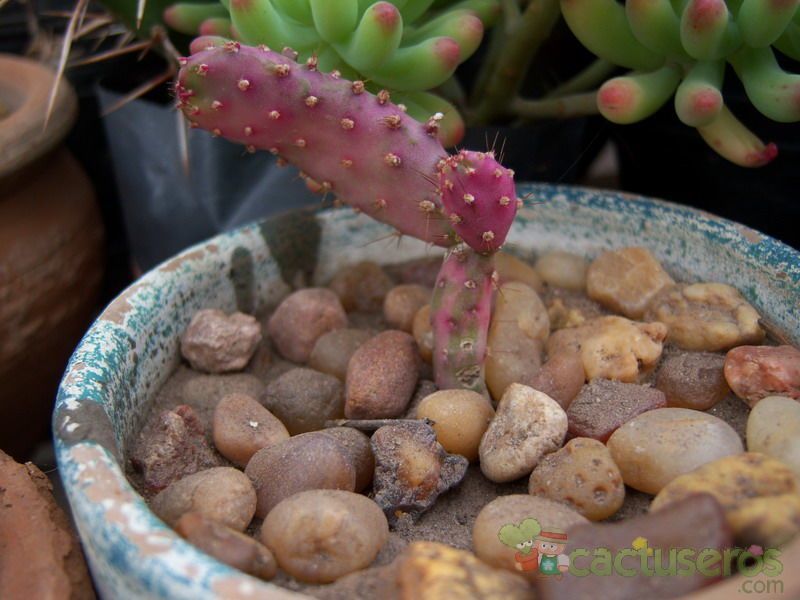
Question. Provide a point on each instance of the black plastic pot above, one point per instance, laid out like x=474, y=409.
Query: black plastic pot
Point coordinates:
x=662, y=157
x=551, y=151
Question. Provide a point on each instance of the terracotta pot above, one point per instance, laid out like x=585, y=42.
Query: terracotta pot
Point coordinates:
x=133, y=346
x=51, y=249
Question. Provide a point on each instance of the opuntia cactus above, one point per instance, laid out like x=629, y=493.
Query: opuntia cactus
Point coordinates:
x=360, y=147
x=682, y=47
x=396, y=45
x=461, y=311
x=368, y=152
x=479, y=198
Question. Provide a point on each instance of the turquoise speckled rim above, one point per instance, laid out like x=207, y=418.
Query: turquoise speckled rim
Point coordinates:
x=133, y=346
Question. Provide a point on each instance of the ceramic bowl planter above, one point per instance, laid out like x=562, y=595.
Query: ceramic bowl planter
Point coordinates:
x=51, y=249
x=133, y=346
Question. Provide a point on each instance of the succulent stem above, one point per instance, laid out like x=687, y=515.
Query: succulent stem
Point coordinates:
x=773, y=91
x=698, y=100
x=513, y=59
x=708, y=30
x=633, y=97
x=731, y=139
x=656, y=25
x=563, y=107
x=763, y=21
x=585, y=80
x=602, y=26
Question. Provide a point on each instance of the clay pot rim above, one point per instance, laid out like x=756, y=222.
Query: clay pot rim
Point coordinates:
x=126, y=353
x=25, y=86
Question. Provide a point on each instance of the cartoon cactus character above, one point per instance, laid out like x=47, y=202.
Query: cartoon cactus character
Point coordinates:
x=398, y=45
x=680, y=48
x=364, y=149
x=521, y=535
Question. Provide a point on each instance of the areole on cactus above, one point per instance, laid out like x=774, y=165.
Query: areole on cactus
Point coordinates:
x=681, y=47
x=369, y=153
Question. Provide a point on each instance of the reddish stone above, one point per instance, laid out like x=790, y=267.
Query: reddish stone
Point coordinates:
x=602, y=406
x=755, y=372
x=171, y=448
x=691, y=526
x=40, y=556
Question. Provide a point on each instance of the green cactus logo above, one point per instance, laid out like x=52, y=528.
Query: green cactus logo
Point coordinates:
x=521, y=536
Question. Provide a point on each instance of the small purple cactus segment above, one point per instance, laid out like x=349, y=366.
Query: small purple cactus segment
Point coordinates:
x=461, y=310
x=479, y=198
x=361, y=147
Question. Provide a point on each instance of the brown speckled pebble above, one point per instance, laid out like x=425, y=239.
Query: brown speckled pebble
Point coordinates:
x=602, y=406
x=361, y=286
x=242, y=427
x=226, y=545
x=402, y=303
x=302, y=318
x=308, y=461
x=304, y=399
x=381, y=376
x=693, y=380
x=222, y=493
x=583, y=476
x=319, y=536
x=332, y=352
x=356, y=446
x=695, y=524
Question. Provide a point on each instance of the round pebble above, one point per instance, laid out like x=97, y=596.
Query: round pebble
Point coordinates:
x=226, y=545
x=242, y=427
x=216, y=342
x=512, y=357
x=511, y=268
x=626, y=280
x=581, y=475
x=511, y=511
x=561, y=377
x=657, y=446
x=333, y=350
x=528, y=424
x=308, y=461
x=773, y=428
x=304, y=399
x=319, y=536
x=356, y=446
x=706, y=317
x=223, y=494
x=460, y=419
x=402, y=303
x=422, y=330
x=519, y=326
x=563, y=269
x=693, y=380
x=760, y=496
x=362, y=286
x=519, y=303
x=381, y=376
x=301, y=319
x=755, y=372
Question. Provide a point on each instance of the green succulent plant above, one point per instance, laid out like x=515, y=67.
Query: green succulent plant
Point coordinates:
x=680, y=48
